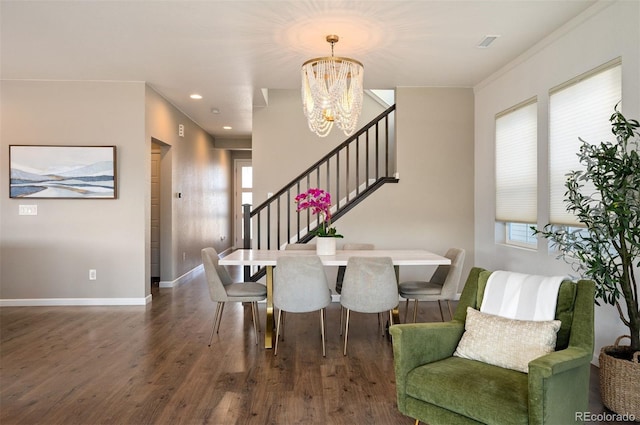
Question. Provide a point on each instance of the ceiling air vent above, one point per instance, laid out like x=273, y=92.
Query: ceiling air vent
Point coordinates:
x=486, y=41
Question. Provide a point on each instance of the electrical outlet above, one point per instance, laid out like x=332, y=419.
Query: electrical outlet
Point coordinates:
x=92, y=274
x=184, y=256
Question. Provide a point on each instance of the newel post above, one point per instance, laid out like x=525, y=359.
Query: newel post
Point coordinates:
x=246, y=236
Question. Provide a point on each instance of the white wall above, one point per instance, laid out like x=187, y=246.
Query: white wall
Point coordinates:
x=432, y=206
x=602, y=33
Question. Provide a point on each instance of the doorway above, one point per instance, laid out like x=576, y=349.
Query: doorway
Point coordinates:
x=156, y=159
x=243, y=194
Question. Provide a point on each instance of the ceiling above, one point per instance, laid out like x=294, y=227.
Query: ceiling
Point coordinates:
x=228, y=51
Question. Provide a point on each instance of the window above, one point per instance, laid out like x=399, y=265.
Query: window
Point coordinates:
x=516, y=172
x=520, y=234
x=243, y=194
x=579, y=108
x=570, y=233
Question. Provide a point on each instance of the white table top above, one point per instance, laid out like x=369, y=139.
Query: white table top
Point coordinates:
x=269, y=257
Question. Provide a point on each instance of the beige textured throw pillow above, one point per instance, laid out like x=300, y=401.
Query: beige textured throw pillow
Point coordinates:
x=507, y=343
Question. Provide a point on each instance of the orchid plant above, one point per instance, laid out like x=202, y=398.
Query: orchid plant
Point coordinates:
x=319, y=202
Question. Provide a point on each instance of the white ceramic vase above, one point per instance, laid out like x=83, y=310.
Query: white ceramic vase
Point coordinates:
x=326, y=246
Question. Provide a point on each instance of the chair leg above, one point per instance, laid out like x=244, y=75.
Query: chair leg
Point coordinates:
x=257, y=315
x=390, y=318
x=275, y=349
x=220, y=316
x=450, y=311
x=324, y=354
x=284, y=319
x=417, y=422
x=346, y=334
x=341, y=318
x=441, y=312
x=380, y=324
x=415, y=310
x=216, y=321
x=406, y=310
x=255, y=319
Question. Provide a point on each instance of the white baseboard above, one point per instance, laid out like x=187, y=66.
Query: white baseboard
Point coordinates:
x=181, y=279
x=48, y=302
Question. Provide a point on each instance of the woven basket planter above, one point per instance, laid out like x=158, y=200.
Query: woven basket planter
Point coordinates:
x=620, y=379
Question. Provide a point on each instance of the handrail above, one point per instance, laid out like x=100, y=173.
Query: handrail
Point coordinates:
x=322, y=160
x=350, y=172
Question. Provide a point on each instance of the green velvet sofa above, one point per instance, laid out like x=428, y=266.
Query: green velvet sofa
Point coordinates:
x=435, y=387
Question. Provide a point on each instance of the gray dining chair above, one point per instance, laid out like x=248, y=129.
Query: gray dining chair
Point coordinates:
x=441, y=287
x=342, y=269
x=370, y=286
x=300, y=286
x=223, y=289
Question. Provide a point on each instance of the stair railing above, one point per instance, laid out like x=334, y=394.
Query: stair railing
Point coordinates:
x=350, y=172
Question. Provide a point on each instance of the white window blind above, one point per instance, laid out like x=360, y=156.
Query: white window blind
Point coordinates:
x=516, y=164
x=580, y=108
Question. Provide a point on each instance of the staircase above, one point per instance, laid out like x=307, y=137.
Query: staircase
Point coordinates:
x=350, y=172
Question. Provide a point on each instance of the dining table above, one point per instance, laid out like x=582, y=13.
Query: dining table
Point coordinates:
x=268, y=258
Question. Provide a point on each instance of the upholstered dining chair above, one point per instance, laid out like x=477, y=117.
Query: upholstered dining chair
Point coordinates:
x=222, y=289
x=343, y=269
x=300, y=286
x=369, y=286
x=441, y=287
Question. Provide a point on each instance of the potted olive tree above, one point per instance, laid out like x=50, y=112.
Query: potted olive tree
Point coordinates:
x=607, y=249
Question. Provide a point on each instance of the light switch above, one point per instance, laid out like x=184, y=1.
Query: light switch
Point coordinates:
x=28, y=210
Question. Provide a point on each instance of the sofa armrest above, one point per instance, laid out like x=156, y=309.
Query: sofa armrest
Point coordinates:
x=421, y=343
x=558, y=386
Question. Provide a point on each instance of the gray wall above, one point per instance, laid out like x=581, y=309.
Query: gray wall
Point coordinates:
x=432, y=206
x=45, y=259
x=193, y=167
x=48, y=256
x=604, y=32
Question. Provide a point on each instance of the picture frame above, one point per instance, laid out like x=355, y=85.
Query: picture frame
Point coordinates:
x=62, y=172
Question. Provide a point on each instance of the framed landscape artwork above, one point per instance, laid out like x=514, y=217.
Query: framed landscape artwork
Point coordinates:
x=64, y=172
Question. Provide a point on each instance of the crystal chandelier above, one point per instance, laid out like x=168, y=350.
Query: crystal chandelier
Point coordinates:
x=332, y=92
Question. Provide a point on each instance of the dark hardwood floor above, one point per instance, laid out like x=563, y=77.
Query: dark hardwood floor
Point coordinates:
x=151, y=365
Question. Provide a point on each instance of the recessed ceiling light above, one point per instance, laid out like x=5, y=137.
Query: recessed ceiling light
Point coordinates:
x=215, y=110
x=486, y=41
x=196, y=96
x=227, y=127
